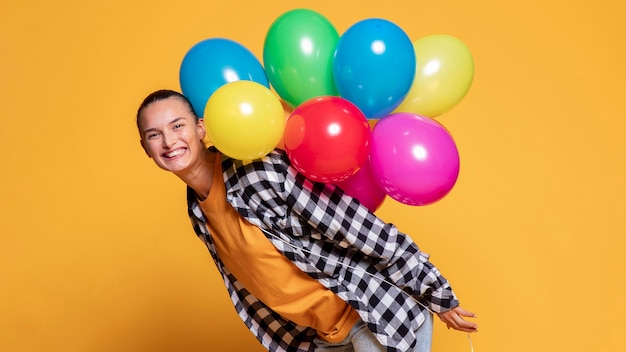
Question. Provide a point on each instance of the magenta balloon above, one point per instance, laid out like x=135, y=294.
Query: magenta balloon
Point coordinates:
x=413, y=158
x=364, y=187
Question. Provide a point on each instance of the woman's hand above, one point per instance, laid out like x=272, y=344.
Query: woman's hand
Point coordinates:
x=454, y=319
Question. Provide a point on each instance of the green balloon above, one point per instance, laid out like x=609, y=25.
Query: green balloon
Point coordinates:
x=298, y=56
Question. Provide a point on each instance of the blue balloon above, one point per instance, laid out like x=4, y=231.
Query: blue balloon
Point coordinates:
x=214, y=62
x=374, y=66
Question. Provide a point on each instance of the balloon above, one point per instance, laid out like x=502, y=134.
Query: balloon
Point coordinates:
x=443, y=76
x=244, y=120
x=374, y=66
x=214, y=62
x=287, y=112
x=298, y=54
x=327, y=139
x=414, y=158
x=364, y=187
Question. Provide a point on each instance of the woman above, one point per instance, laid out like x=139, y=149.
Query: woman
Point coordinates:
x=308, y=268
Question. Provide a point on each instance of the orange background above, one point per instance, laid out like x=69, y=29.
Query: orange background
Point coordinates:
x=97, y=253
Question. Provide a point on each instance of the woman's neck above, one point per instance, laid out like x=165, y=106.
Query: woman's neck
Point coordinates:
x=199, y=176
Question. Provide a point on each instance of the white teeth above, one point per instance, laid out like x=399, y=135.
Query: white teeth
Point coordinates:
x=174, y=153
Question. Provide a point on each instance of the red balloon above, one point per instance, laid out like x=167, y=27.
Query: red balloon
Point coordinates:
x=327, y=139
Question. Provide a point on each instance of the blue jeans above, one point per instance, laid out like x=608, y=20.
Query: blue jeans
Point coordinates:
x=361, y=339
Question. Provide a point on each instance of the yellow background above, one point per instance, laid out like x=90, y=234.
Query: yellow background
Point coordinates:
x=97, y=253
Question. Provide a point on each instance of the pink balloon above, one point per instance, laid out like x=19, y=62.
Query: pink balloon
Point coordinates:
x=413, y=158
x=364, y=187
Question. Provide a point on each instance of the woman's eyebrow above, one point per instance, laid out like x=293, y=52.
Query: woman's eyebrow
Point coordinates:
x=176, y=120
x=149, y=130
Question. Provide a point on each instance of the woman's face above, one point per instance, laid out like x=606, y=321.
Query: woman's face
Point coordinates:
x=170, y=134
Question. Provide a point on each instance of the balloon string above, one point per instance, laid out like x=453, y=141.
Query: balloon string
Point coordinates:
x=359, y=269
x=470, y=342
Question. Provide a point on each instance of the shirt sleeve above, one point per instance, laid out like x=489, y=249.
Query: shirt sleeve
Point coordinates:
x=342, y=219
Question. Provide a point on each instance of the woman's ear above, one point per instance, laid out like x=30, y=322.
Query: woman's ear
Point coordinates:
x=201, y=128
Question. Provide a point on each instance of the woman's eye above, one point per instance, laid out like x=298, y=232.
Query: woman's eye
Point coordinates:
x=178, y=126
x=152, y=135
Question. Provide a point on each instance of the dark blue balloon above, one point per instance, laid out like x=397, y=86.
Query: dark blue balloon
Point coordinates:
x=214, y=62
x=374, y=66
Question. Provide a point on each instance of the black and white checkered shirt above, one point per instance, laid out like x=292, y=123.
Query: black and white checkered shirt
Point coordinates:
x=335, y=240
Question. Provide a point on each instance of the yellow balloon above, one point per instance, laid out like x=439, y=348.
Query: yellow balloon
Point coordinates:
x=443, y=76
x=244, y=120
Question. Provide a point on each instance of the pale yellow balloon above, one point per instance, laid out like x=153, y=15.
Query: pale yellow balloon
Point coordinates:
x=443, y=76
x=244, y=120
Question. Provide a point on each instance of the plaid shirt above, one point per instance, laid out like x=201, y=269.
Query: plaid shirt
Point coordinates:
x=368, y=263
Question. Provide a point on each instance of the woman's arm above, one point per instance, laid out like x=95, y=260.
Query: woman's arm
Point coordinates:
x=343, y=220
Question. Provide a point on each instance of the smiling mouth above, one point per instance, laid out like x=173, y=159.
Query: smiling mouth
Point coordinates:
x=174, y=153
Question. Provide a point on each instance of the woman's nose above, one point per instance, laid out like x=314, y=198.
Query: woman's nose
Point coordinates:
x=167, y=140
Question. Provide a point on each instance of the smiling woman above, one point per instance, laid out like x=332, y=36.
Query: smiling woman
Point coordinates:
x=327, y=299
x=170, y=131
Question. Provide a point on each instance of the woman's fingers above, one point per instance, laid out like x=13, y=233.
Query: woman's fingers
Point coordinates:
x=464, y=312
x=454, y=319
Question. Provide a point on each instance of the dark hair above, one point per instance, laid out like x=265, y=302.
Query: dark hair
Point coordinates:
x=163, y=94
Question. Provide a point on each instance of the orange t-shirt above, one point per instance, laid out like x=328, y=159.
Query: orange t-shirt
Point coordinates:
x=268, y=274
